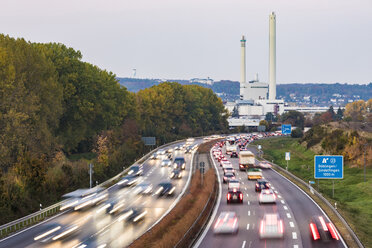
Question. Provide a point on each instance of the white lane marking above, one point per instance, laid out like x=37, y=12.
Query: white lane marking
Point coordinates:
x=295, y=246
x=279, y=196
x=242, y=182
x=285, y=207
x=249, y=213
x=291, y=224
x=294, y=235
x=243, y=245
x=273, y=188
x=245, y=188
x=247, y=195
x=248, y=226
x=282, y=201
x=276, y=191
x=249, y=203
x=289, y=215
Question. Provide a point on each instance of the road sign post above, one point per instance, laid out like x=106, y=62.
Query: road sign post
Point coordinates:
x=286, y=129
x=202, y=170
x=90, y=174
x=287, y=157
x=329, y=167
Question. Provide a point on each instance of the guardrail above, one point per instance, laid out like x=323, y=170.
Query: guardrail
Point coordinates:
x=41, y=215
x=324, y=200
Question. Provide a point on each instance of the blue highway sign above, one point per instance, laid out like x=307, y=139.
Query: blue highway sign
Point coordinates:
x=329, y=167
x=286, y=129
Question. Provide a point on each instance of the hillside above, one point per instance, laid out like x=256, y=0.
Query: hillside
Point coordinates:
x=311, y=94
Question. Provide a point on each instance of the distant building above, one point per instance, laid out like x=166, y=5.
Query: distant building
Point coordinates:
x=207, y=81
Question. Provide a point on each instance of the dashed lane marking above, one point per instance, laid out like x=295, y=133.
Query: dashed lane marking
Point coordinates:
x=289, y=215
x=249, y=213
x=294, y=235
x=285, y=207
x=295, y=246
x=291, y=224
x=249, y=203
x=248, y=226
x=279, y=196
x=243, y=245
x=282, y=201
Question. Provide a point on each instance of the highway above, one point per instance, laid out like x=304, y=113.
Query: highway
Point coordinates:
x=292, y=205
x=100, y=229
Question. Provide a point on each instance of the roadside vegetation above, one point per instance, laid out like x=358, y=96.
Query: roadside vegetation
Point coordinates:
x=58, y=114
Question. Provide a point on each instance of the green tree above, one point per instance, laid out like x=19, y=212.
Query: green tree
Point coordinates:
x=294, y=117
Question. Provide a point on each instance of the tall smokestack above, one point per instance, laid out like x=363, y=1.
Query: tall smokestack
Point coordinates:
x=272, y=57
x=242, y=68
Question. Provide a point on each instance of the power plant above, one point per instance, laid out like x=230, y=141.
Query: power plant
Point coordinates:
x=256, y=98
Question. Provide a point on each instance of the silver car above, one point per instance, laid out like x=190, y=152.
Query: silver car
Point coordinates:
x=227, y=222
x=267, y=196
x=271, y=226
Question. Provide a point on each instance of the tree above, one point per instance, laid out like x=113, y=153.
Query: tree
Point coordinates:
x=339, y=114
x=271, y=117
x=356, y=110
x=294, y=117
x=297, y=133
x=264, y=123
x=332, y=112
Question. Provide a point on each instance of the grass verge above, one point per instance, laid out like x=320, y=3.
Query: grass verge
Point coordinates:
x=352, y=194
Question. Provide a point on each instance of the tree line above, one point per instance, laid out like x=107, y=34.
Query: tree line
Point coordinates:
x=54, y=106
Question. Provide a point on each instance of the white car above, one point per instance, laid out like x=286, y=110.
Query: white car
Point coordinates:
x=233, y=184
x=227, y=222
x=271, y=226
x=166, y=162
x=265, y=165
x=267, y=196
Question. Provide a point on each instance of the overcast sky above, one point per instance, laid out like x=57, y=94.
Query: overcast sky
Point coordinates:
x=319, y=41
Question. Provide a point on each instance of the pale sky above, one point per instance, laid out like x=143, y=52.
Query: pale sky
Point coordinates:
x=318, y=41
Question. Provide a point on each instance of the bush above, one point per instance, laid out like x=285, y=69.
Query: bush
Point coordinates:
x=297, y=133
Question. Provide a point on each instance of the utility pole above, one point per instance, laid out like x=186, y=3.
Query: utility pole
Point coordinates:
x=90, y=174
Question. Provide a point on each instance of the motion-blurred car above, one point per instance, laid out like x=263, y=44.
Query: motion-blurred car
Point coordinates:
x=180, y=163
x=165, y=189
x=254, y=173
x=227, y=222
x=143, y=188
x=55, y=231
x=262, y=184
x=233, y=155
x=322, y=230
x=128, y=181
x=166, y=162
x=113, y=206
x=271, y=226
x=233, y=184
x=227, y=177
x=132, y=215
x=176, y=174
x=265, y=165
x=234, y=195
x=267, y=196
x=136, y=170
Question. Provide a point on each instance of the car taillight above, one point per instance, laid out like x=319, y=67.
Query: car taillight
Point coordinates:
x=241, y=196
x=333, y=231
x=323, y=223
x=314, y=231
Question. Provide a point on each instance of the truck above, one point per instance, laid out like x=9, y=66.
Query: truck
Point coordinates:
x=246, y=160
x=230, y=148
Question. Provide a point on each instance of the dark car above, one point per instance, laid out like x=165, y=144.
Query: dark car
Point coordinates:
x=176, y=174
x=234, y=155
x=180, y=163
x=234, y=196
x=165, y=188
x=132, y=215
x=227, y=177
x=262, y=184
x=136, y=170
x=321, y=229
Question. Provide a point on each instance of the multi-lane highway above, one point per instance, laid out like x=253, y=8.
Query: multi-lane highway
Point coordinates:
x=293, y=206
x=100, y=229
